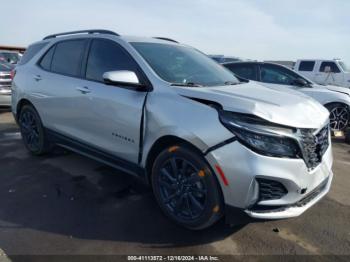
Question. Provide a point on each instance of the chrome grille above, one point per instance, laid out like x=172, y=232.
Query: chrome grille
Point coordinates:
x=314, y=145
x=5, y=76
x=5, y=87
x=5, y=81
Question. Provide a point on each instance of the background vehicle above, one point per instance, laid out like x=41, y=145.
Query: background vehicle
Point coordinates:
x=5, y=84
x=335, y=99
x=224, y=59
x=207, y=144
x=325, y=72
x=10, y=57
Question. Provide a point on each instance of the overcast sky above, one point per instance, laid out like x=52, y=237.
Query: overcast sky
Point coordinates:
x=256, y=29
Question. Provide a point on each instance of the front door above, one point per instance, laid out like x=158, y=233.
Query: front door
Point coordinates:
x=329, y=74
x=110, y=116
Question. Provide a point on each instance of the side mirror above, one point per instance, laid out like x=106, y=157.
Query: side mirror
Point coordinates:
x=300, y=82
x=123, y=78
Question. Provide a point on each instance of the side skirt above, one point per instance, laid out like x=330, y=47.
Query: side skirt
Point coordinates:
x=96, y=154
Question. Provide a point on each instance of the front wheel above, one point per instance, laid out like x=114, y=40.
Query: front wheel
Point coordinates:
x=339, y=116
x=186, y=189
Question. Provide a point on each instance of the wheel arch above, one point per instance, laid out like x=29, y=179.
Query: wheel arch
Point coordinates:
x=159, y=145
x=20, y=105
x=326, y=105
x=166, y=142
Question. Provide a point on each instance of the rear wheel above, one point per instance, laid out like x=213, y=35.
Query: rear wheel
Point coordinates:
x=339, y=116
x=186, y=189
x=32, y=131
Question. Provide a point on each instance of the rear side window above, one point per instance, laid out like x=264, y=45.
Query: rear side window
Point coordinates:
x=31, y=52
x=307, y=66
x=67, y=57
x=247, y=71
x=333, y=67
x=107, y=56
x=46, y=60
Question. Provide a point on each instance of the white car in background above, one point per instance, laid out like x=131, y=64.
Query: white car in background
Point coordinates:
x=5, y=84
x=10, y=57
x=336, y=99
x=325, y=72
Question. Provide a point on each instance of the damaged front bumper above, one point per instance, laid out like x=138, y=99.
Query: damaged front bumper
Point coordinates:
x=300, y=188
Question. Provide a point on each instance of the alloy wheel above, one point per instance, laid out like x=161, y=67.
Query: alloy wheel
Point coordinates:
x=339, y=118
x=30, y=130
x=181, y=188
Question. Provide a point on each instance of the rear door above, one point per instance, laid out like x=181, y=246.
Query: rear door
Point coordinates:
x=110, y=116
x=57, y=79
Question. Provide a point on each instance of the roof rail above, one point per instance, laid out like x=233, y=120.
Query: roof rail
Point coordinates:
x=166, y=39
x=91, y=31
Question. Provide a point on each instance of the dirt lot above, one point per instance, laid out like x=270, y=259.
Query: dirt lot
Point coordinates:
x=68, y=204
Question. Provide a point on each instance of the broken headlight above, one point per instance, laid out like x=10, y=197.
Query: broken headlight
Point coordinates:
x=261, y=136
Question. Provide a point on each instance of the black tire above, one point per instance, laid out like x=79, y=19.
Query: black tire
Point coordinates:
x=191, y=196
x=32, y=130
x=339, y=116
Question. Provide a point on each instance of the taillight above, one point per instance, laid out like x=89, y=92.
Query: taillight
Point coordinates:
x=13, y=73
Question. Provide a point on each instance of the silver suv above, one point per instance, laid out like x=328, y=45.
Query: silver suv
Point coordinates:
x=207, y=144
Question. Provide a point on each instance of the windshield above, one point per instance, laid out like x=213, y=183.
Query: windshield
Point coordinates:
x=9, y=57
x=184, y=65
x=344, y=66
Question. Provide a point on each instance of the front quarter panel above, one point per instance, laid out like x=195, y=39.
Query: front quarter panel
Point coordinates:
x=168, y=113
x=325, y=96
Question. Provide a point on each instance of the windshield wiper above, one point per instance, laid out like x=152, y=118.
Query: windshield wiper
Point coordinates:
x=231, y=83
x=190, y=84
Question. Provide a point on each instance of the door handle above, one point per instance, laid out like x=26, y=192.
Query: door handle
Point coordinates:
x=84, y=90
x=37, y=78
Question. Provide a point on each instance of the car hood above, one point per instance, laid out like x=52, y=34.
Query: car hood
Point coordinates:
x=282, y=107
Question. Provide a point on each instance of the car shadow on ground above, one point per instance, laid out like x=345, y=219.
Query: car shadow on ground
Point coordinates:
x=109, y=206
x=4, y=109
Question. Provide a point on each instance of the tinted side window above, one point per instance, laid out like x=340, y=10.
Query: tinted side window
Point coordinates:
x=277, y=75
x=45, y=62
x=332, y=65
x=31, y=52
x=247, y=71
x=306, y=66
x=107, y=56
x=67, y=57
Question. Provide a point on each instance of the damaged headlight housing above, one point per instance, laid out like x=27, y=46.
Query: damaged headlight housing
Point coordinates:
x=261, y=136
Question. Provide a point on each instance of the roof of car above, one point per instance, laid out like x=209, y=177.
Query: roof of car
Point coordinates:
x=320, y=59
x=257, y=63
x=247, y=62
x=101, y=33
x=148, y=39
